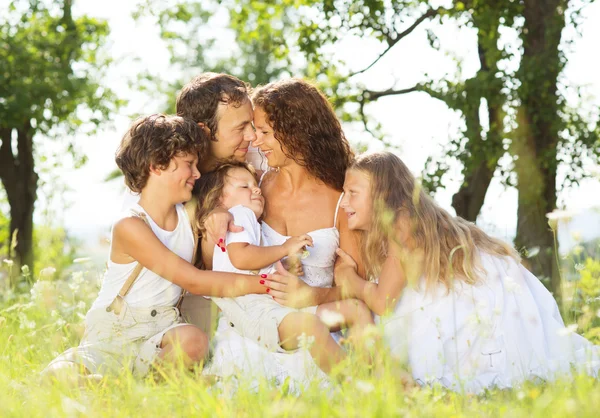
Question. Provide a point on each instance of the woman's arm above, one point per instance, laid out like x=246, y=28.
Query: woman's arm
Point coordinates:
x=133, y=238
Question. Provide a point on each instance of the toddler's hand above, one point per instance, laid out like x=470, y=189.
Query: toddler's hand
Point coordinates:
x=296, y=245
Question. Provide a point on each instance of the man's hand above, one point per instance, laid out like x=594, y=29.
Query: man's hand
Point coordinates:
x=218, y=222
x=288, y=289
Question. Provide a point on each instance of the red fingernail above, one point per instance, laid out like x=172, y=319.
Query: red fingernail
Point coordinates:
x=264, y=276
x=223, y=249
x=262, y=282
x=220, y=240
x=268, y=290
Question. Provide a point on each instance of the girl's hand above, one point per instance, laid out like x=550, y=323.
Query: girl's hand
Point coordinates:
x=345, y=274
x=218, y=222
x=288, y=290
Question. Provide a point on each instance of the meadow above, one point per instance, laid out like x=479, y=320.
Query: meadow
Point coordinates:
x=41, y=314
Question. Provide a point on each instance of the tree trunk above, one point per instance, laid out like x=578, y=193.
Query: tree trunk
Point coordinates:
x=20, y=182
x=484, y=153
x=537, y=139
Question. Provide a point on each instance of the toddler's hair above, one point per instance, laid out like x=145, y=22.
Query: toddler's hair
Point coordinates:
x=209, y=189
x=153, y=141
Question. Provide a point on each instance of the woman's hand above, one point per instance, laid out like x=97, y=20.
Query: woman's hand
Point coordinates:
x=218, y=222
x=345, y=275
x=289, y=290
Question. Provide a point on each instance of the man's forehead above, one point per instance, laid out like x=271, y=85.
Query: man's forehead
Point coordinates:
x=227, y=109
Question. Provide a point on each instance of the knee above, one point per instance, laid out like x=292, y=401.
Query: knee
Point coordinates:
x=195, y=344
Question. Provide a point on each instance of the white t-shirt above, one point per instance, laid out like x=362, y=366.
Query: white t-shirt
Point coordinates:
x=242, y=216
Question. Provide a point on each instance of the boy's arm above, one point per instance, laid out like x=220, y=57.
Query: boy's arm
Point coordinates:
x=132, y=237
x=245, y=256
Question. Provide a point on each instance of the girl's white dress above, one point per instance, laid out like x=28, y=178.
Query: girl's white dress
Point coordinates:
x=498, y=333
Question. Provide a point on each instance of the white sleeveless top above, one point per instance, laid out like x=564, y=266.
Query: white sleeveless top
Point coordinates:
x=149, y=290
x=318, y=266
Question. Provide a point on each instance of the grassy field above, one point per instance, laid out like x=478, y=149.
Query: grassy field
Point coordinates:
x=44, y=316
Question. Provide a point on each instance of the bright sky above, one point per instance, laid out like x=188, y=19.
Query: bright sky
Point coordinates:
x=415, y=122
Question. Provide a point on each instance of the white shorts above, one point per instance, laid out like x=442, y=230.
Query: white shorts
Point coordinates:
x=258, y=317
x=130, y=340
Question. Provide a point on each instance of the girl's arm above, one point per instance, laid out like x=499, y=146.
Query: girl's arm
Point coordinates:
x=133, y=239
x=379, y=297
x=245, y=256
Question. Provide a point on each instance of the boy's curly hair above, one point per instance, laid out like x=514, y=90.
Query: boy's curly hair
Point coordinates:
x=153, y=141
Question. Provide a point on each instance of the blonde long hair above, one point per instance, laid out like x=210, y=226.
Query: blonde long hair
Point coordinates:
x=449, y=244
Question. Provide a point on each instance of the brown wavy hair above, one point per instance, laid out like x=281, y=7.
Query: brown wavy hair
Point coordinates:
x=209, y=189
x=449, y=244
x=200, y=98
x=153, y=141
x=306, y=126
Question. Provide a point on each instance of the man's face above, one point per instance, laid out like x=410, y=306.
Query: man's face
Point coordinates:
x=234, y=131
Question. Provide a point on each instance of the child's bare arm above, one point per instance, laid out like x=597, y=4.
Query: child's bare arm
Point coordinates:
x=246, y=256
x=133, y=238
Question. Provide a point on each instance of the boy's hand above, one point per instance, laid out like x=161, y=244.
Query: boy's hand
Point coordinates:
x=295, y=245
x=217, y=224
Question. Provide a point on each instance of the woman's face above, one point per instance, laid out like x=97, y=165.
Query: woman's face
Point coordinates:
x=357, y=201
x=265, y=140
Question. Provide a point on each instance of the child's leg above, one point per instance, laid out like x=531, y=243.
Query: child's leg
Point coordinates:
x=185, y=343
x=324, y=350
x=351, y=313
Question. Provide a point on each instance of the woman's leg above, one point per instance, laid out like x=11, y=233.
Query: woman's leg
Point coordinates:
x=186, y=343
x=324, y=350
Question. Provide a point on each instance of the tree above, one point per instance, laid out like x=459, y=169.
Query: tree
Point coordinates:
x=516, y=106
x=49, y=66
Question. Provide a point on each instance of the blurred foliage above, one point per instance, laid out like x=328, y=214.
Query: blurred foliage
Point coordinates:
x=50, y=67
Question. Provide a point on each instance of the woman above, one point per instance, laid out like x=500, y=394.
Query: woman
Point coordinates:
x=306, y=149
x=461, y=306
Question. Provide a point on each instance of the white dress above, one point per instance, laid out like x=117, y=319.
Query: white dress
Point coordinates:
x=495, y=334
x=239, y=357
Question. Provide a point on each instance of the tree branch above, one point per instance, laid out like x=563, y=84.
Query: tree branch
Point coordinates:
x=371, y=96
x=393, y=40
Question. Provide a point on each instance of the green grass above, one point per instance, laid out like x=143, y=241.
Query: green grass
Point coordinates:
x=37, y=324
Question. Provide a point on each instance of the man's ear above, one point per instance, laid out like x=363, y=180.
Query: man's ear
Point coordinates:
x=205, y=128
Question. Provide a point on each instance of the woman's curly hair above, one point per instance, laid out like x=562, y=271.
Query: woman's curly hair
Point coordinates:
x=153, y=141
x=306, y=126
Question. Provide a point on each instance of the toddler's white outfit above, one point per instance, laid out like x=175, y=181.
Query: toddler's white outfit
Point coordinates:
x=256, y=317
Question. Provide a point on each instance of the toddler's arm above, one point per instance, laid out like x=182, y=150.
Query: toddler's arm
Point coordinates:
x=245, y=256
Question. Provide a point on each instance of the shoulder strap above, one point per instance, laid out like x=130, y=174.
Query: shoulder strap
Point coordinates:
x=262, y=177
x=117, y=303
x=138, y=268
x=337, y=209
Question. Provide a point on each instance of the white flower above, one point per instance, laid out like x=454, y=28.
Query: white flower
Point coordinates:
x=77, y=277
x=568, y=330
x=558, y=214
x=331, y=318
x=365, y=387
x=579, y=266
x=9, y=263
x=305, y=341
x=60, y=322
x=81, y=305
x=25, y=269
x=47, y=272
x=81, y=260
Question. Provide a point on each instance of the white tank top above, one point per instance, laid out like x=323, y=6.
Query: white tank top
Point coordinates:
x=149, y=290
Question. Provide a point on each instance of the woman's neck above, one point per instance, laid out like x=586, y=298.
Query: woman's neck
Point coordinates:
x=294, y=177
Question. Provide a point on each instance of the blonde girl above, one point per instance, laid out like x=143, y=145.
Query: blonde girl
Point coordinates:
x=456, y=301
